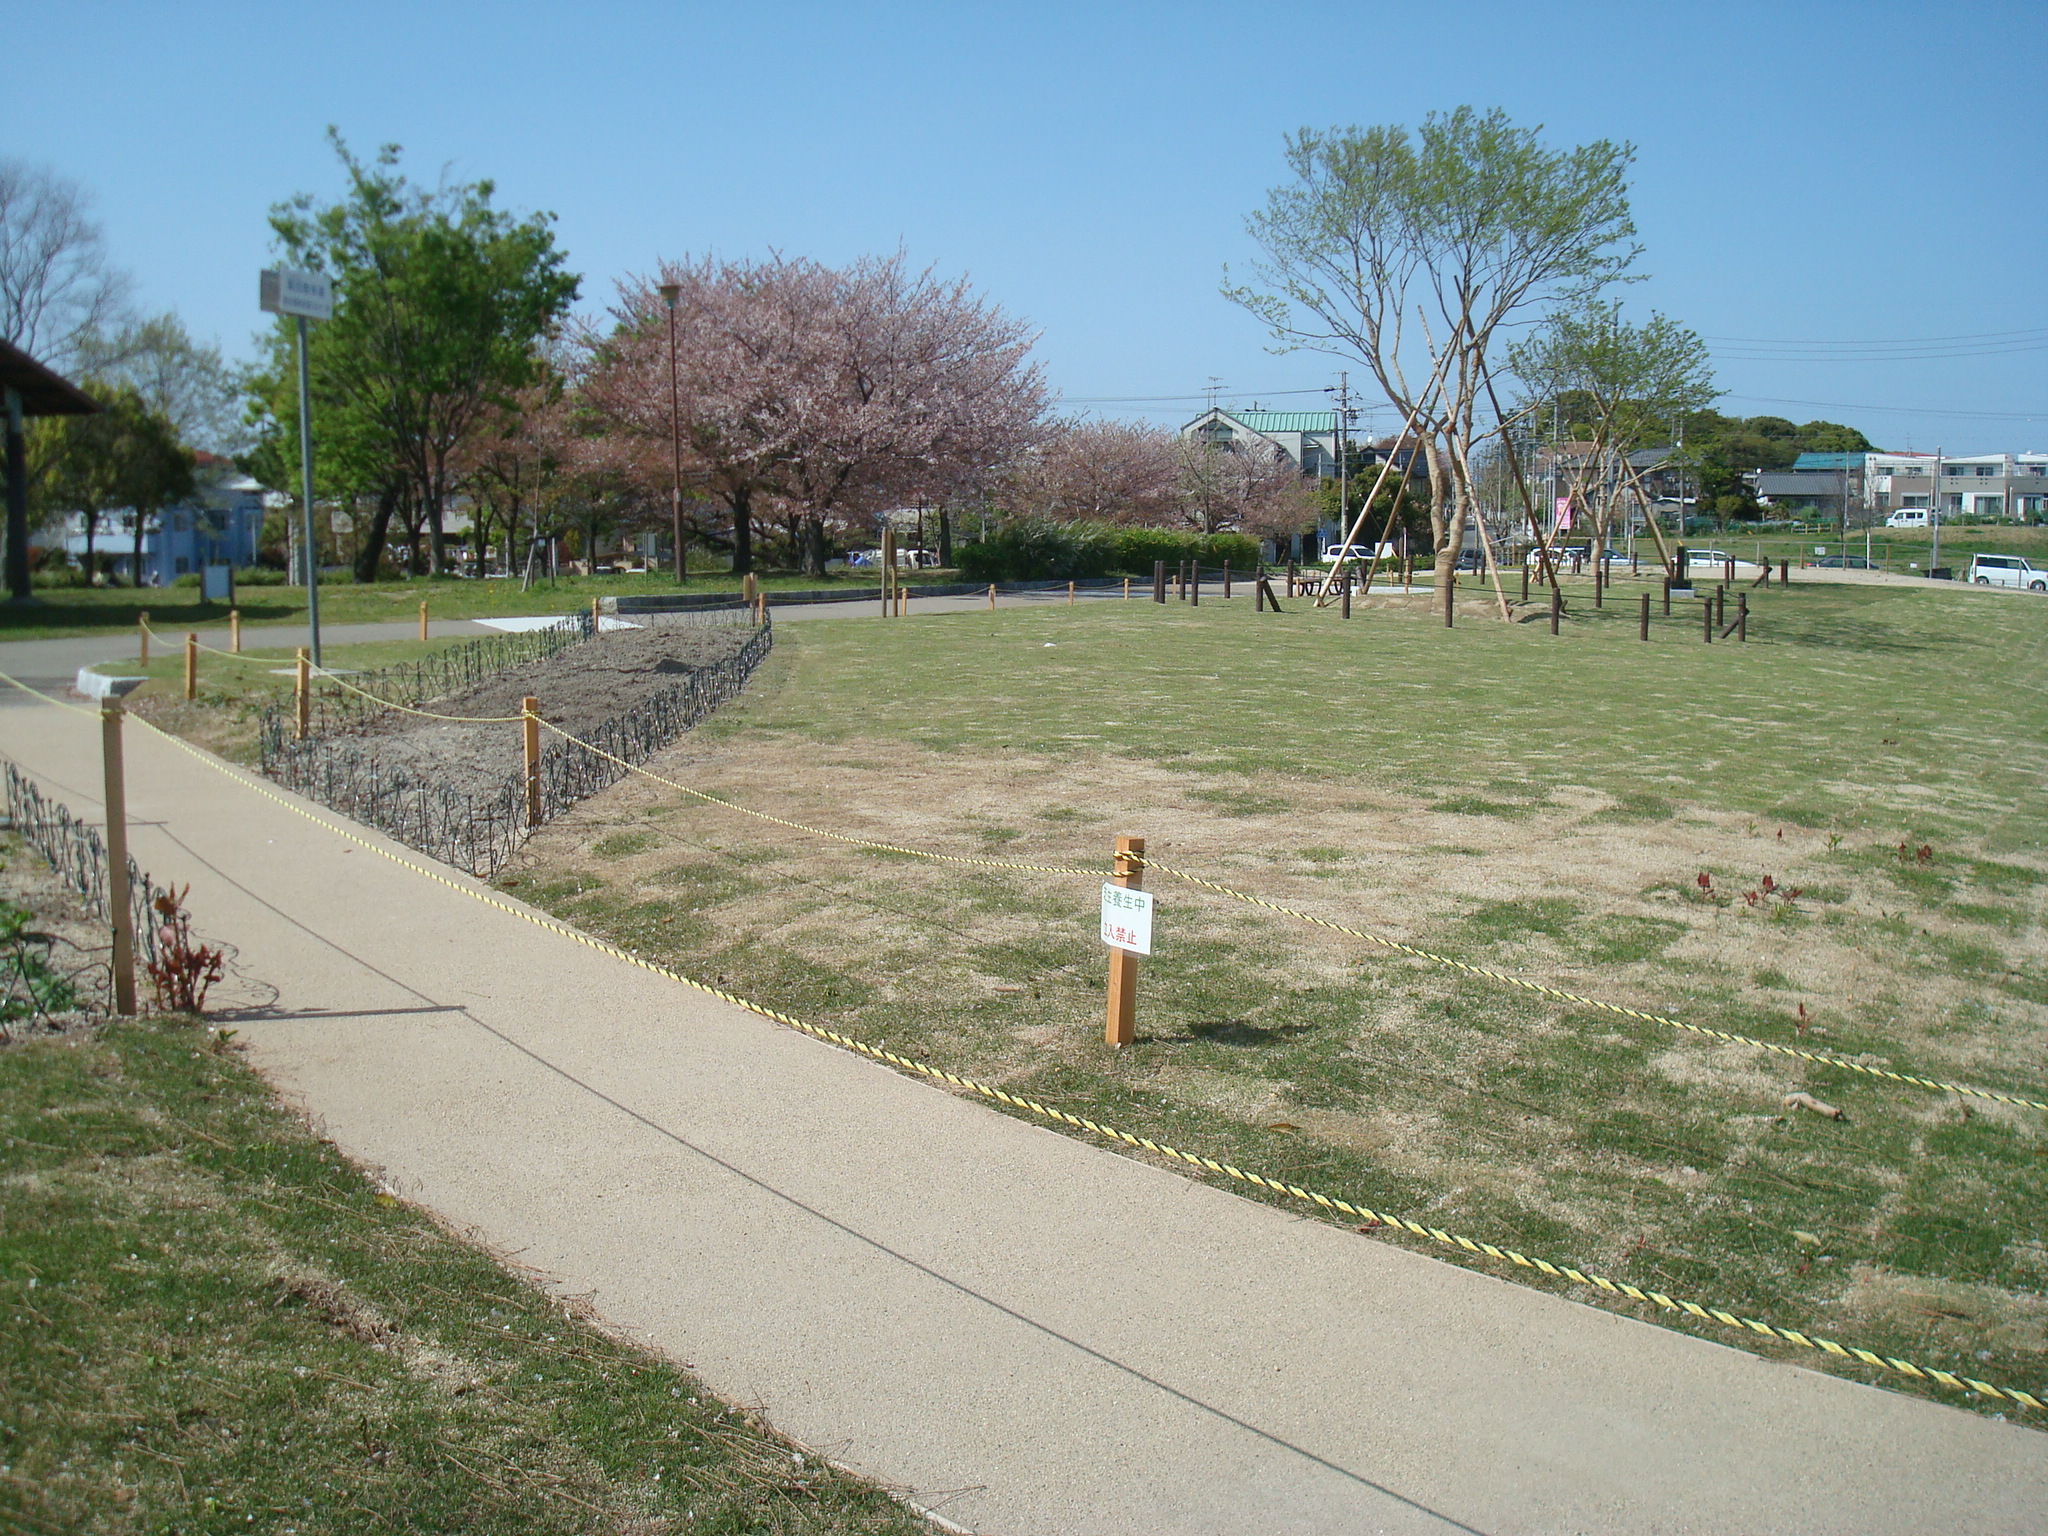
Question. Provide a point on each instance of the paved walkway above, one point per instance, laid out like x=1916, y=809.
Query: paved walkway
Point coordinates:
x=1038, y=1337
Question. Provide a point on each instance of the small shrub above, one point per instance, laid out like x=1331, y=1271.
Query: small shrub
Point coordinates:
x=184, y=970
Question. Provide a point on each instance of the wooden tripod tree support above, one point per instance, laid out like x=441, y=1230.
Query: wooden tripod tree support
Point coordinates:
x=1120, y=1024
x=529, y=740
x=119, y=912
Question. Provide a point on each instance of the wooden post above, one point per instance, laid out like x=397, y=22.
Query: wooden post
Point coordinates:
x=1707, y=620
x=142, y=630
x=1729, y=577
x=1127, y=589
x=1450, y=598
x=1525, y=581
x=1720, y=605
x=1635, y=563
x=1347, y=597
x=1599, y=583
x=529, y=728
x=1785, y=572
x=1643, y=628
x=596, y=614
x=1292, y=572
x=1120, y=1025
x=191, y=667
x=1667, y=597
x=302, y=695
x=888, y=572
x=992, y=594
x=1070, y=594
x=1407, y=574
x=1226, y=578
x=423, y=618
x=1742, y=616
x=1556, y=608
x=1158, y=581
x=1195, y=583
x=235, y=631
x=119, y=913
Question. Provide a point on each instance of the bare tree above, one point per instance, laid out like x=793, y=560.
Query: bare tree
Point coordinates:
x=185, y=381
x=58, y=287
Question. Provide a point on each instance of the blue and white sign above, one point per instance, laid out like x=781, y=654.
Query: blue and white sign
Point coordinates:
x=1127, y=919
x=284, y=291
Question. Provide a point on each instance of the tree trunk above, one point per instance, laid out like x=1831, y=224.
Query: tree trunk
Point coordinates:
x=742, y=502
x=945, y=538
x=371, y=555
x=814, y=546
x=437, y=538
x=91, y=527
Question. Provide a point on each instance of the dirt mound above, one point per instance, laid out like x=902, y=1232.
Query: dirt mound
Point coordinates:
x=579, y=689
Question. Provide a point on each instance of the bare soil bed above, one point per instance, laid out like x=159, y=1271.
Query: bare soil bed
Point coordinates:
x=578, y=689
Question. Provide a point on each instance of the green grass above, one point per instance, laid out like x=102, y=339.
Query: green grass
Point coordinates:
x=63, y=611
x=210, y=1322
x=1312, y=761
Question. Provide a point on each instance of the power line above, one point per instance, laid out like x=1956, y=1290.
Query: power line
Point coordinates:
x=1896, y=341
x=1898, y=410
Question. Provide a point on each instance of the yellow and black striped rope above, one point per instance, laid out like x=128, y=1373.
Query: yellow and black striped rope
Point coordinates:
x=1822, y=1058
x=1368, y=1217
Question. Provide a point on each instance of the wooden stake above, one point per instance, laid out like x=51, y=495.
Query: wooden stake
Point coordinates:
x=235, y=631
x=529, y=729
x=1742, y=616
x=1070, y=594
x=1784, y=573
x=142, y=630
x=1707, y=620
x=302, y=694
x=1450, y=598
x=1195, y=583
x=191, y=667
x=992, y=594
x=1525, y=581
x=1556, y=608
x=1644, y=624
x=1346, y=599
x=1127, y=589
x=119, y=912
x=423, y=618
x=1120, y=1025
x=1158, y=581
x=596, y=614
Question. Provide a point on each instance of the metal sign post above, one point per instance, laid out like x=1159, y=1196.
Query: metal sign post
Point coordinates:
x=304, y=296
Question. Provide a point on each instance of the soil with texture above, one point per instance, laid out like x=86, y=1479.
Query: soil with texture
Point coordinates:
x=578, y=689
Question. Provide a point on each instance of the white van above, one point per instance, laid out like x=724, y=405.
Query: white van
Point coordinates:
x=2007, y=571
x=1912, y=517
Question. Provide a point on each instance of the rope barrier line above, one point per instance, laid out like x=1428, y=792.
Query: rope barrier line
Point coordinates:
x=1822, y=1058
x=837, y=837
x=1370, y=1218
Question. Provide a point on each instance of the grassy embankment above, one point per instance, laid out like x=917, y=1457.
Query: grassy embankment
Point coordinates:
x=67, y=611
x=1546, y=806
x=211, y=1322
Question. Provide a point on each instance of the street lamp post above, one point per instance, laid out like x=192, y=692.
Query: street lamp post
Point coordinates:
x=669, y=293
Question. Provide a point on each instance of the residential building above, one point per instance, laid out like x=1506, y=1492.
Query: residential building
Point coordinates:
x=219, y=524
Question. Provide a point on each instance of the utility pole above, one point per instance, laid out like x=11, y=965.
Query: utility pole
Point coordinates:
x=669, y=292
x=1343, y=458
x=1934, y=511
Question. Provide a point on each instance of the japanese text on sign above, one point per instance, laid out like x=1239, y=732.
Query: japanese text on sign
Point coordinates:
x=1127, y=919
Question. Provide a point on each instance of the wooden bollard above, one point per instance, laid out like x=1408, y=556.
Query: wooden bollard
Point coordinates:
x=1292, y=572
x=1729, y=577
x=596, y=615
x=1556, y=608
x=302, y=694
x=1158, y=581
x=1120, y=1022
x=423, y=618
x=1226, y=578
x=1742, y=617
x=1720, y=606
x=992, y=594
x=1784, y=573
x=1667, y=597
x=235, y=631
x=191, y=667
x=529, y=734
x=120, y=913
x=1407, y=574
x=1707, y=620
x=1347, y=597
x=1194, y=583
x=1450, y=598
x=142, y=631
x=1635, y=563
x=1127, y=589
x=1599, y=583
x=1525, y=581
x=1643, y=627
x=1070, y=594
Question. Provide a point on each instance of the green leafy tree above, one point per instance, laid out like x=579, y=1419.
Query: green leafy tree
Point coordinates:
x=441, y=301
x=1411, y=252
x=125, y=458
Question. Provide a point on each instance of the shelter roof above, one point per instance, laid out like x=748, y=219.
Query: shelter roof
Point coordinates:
x=1286, y=421
x=43, y=392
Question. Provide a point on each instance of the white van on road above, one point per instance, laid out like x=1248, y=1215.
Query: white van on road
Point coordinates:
x=2007, y=571
x=1915, y=517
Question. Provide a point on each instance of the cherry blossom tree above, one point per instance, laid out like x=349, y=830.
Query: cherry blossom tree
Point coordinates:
x=1104, y=471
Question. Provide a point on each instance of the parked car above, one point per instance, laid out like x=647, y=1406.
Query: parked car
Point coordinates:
x=2007, y=571
x=1362, y=552
x=1912, y=517
x=1841, y=563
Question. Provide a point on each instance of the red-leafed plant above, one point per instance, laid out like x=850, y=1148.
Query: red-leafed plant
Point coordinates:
x=184, y=969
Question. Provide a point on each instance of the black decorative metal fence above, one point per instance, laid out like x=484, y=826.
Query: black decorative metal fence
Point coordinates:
x=78, y=853
x=479, y=830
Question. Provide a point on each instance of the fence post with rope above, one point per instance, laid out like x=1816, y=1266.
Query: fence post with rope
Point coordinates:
x=529, y=727
x=234, y=631
x=119, y=911
x=191, y=667
x=1120, y=1023
x=302, y=695
x=142, y=632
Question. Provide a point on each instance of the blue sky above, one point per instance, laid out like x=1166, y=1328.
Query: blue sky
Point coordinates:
x=1831, y=173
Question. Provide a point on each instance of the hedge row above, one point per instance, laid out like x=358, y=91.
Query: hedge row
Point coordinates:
x=1029, y=551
